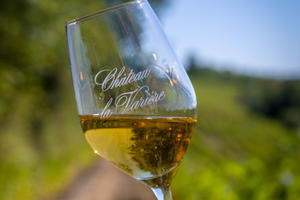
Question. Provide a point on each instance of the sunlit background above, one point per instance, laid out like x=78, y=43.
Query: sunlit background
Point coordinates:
x=243, y=59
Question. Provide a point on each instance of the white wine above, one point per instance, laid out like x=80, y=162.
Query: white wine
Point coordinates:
x=148, y=148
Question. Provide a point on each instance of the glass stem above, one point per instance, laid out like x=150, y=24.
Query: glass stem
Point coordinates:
x=163, y=193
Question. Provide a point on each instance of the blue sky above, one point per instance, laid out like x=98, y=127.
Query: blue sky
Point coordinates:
x=255, y=36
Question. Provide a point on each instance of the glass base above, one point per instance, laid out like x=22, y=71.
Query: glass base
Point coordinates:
x=163, y=193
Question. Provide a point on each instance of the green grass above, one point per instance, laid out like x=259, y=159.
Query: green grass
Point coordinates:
x=235, y=154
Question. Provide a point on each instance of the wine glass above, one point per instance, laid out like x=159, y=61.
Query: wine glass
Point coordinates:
x=136, y=104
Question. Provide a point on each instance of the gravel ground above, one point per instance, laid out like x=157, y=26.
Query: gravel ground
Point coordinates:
x=103, y=181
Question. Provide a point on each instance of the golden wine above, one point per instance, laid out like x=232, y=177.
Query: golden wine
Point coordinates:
x=148, y=148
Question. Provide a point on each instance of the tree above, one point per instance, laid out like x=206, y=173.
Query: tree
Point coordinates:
x=34, y=63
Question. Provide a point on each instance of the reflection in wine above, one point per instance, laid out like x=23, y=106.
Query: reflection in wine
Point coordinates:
x=147, y=147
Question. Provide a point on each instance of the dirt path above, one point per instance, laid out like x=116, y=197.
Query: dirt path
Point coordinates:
x=104, y=182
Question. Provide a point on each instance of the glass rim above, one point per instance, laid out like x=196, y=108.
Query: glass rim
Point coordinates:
x=102, y=11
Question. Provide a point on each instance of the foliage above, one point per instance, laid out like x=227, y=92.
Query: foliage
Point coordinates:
x=36, y=158
x=236, y=154
x=41, y=145
x=275, y=99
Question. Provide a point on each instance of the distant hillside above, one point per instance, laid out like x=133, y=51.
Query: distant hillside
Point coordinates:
x=278, y=99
